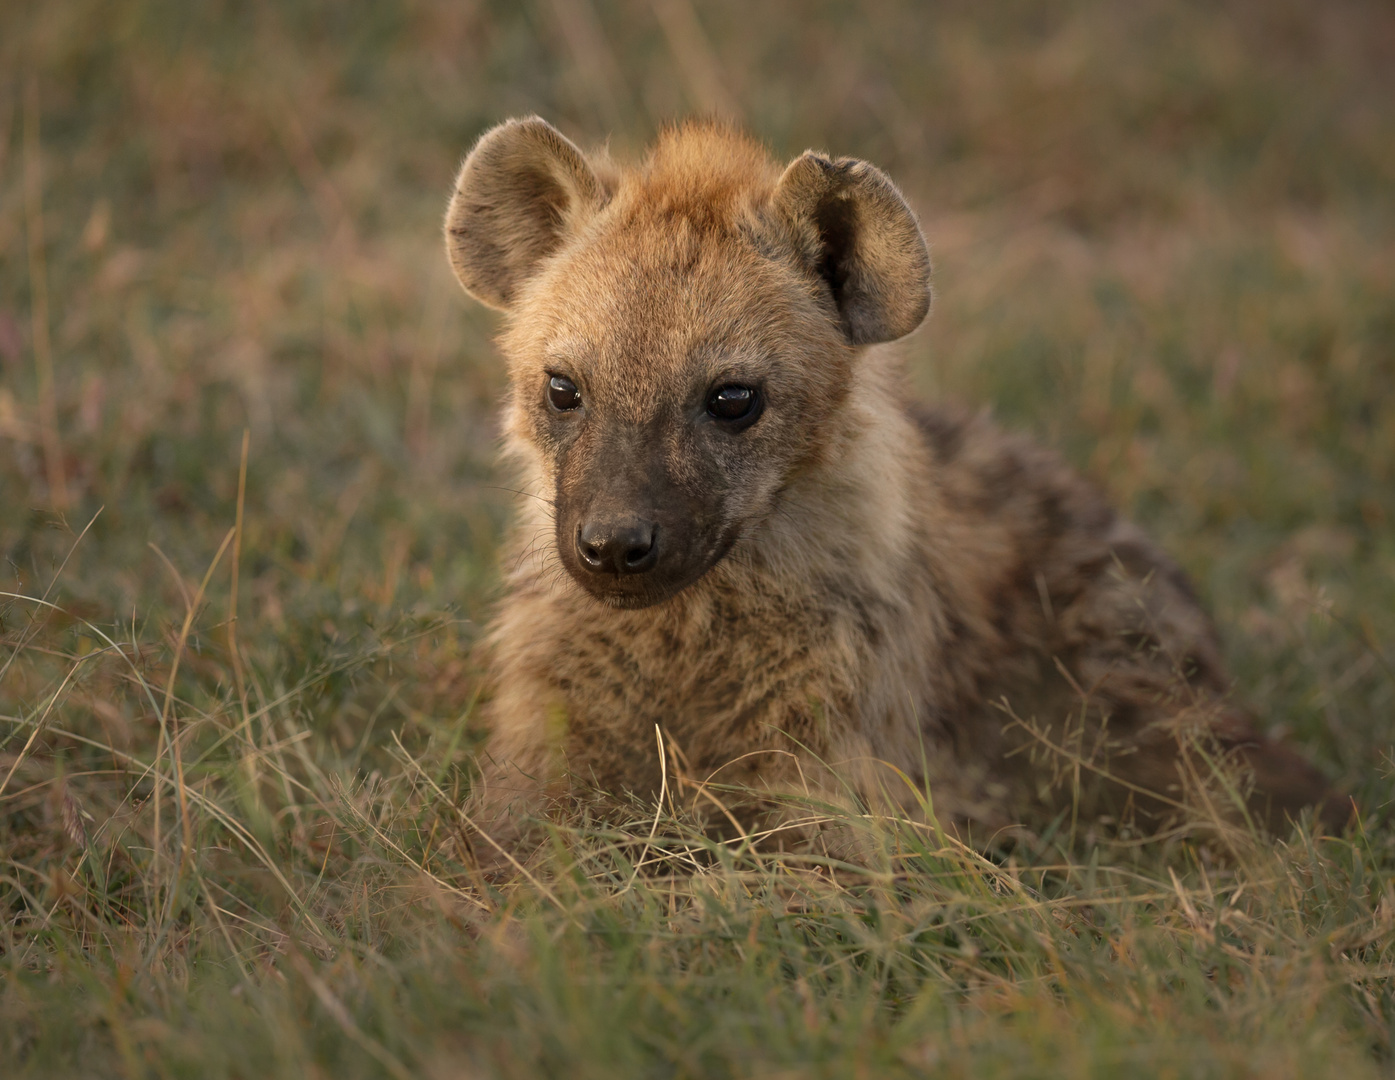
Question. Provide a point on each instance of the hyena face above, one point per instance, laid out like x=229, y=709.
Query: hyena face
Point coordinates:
x=665, y=409
x=682, y=337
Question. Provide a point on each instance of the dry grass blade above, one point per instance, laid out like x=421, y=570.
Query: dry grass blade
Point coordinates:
x=341, y=1016
x=72, y=822
x=169, y=738
x=38, y=726
x=345, y=799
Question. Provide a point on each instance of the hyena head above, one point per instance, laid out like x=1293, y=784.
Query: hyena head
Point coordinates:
x=681, y=336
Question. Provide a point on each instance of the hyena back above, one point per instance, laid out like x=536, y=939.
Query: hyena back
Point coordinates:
x=745, y=535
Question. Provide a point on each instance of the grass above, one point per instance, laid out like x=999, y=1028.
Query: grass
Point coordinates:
x=237, y=702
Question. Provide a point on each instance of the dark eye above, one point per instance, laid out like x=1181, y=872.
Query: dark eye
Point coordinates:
x=563, y=394
x=734, y=404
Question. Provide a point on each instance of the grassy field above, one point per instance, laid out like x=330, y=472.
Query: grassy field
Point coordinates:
x=237, y=704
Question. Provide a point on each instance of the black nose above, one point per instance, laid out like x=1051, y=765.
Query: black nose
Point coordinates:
x=628, y=546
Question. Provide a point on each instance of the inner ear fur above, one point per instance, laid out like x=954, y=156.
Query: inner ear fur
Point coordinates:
x=520, y=191
x=853, y=229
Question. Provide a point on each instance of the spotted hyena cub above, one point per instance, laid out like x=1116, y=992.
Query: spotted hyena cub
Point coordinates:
x=745, y=535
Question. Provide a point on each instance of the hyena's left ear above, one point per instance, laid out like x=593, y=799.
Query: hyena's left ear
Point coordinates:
x=853, y=229
x=521, y=190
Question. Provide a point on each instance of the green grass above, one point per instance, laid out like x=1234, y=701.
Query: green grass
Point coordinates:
x=1163, y=236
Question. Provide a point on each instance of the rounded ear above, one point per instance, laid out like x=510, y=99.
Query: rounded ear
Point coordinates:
x=854, y=230
x=521, y=190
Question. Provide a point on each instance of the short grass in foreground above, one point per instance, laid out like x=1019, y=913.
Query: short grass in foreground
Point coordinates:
x=231, y=847
x=255, y=905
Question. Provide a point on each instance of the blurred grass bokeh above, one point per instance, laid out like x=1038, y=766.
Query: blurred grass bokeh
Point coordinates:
x=1165, y=243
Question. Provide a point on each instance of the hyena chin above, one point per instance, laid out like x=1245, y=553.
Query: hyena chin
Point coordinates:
x=745, y=535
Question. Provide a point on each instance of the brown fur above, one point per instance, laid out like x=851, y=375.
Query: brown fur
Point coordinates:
x=851, y=590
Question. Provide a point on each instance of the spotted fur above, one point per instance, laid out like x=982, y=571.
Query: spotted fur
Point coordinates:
x=859, y=596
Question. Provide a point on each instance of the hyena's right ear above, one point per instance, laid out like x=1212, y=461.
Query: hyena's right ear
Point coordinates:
x=521, y=190
x=852, y=229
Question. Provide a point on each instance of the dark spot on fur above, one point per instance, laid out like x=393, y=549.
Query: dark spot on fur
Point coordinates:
x=1096, y=517
x=1142, y=641
x=1056, y=519
x=1178, y=579
x=956, y=630
x=1009, y=601
x=1000, y=480
x=1124, y=716
x=1200, y=670
x=1003, y=607
x=944, y=433
x=1141, y=558
x=672, y=646
x=1136, y=557
x=1091, y=569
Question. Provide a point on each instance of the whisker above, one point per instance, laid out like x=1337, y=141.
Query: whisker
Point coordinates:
x=525, y=494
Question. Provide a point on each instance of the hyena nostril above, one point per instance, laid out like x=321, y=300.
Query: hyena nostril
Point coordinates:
x=625, y=546
x=592, y=554
x=639, y=554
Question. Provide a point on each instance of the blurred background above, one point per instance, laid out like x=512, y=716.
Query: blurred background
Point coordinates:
x=1164, y=238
